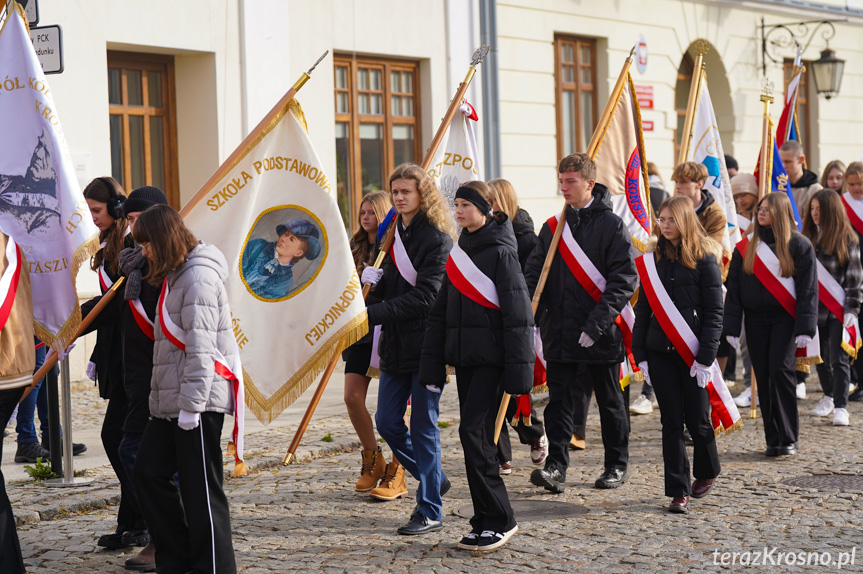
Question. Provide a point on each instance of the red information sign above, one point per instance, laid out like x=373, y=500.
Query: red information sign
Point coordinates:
x=646, y=125
x=645, y=96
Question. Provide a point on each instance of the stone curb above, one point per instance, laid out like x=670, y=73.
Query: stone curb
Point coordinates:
x=95, y=500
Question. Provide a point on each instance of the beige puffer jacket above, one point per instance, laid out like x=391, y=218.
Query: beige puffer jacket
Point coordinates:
x=17, y=356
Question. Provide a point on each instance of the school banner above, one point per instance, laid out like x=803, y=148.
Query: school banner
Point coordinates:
x=457, y=159
x=41, y=205
x=621, y=166
x=706, y=148
x=293, y=289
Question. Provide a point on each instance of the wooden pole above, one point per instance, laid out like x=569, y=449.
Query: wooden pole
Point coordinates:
x=52, y=357
x=232, y=159
x=477, y=58
x=694, y=91
x=592, y=148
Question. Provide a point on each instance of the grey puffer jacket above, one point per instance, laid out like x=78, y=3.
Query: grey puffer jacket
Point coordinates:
x=198, y=304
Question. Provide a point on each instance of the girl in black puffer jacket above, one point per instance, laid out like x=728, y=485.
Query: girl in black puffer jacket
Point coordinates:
x=772, y=331
x=686, y=264
x=482, y=324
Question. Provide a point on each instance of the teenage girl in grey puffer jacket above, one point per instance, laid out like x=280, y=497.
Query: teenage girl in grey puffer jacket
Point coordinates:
x=191, y=526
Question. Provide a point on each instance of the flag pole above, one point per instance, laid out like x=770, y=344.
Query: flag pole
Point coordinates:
x=694, y=93
x=53, y=357
x=763, y=188
x=592, y=149
x=454, y=105
x=226, y=166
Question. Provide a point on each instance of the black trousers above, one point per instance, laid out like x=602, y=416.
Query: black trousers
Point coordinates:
x=581, y=403
x=835, y=372
x=681, y=401
x=479, y=392
x=191, y=527
x=129, y=516
x=771, y=349
x=11, y=561
x=527, y=434
x=564, y=385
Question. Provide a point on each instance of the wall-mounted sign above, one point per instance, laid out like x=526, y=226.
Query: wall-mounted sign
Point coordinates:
x=31, y=8
x=645, y=96
x=641, y=53
x=646, y=126
x=48, y=43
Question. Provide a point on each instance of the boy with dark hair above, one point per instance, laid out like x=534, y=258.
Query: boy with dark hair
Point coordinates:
x=591, y=279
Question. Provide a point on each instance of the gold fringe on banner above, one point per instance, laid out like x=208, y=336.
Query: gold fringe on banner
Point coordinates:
x=67, y=332
x=268, y=409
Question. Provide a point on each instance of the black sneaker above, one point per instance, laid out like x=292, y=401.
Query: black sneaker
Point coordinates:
x=112, y=541
x=445, y=485
x=551, y=479
x=136, y=538
x=469, y=542
x=489, y=540
x=77, y=448
x=30, y=451
x=857, y=395
x=420, y=524
x=612, y=478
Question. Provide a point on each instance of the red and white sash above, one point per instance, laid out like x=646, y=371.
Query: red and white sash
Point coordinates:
x=401, y=259
x=9, y=280
x=479, y=288
x=767, y=271
x=233, y=374
x=594, y=283
x=832, y=295
x=854, y=209
x=406, y=270
x=724, y=413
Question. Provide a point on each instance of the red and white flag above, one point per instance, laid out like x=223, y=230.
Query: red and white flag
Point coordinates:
x=457, y=158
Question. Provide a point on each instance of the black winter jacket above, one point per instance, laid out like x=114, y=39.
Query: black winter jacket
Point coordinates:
x=569, y=309
x=464, y=333
x=404, y=309
x=746, y=293
x=525, y=236
x=697, y=294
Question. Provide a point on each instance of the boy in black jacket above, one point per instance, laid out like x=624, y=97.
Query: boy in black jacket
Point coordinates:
x=578, y=325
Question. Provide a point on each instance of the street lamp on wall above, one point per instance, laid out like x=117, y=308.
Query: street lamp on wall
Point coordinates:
x=827, y=70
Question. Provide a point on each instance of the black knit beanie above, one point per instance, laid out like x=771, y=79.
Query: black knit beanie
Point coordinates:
x=144, y=197
x=473, y=196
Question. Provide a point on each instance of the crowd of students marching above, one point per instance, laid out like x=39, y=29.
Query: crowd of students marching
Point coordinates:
x=456, y=291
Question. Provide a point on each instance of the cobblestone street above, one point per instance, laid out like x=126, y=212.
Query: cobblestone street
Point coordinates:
x=307, y=518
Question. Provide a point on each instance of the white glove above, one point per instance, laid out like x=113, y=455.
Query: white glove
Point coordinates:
x=433, y=389
x=848, y=319
x=91, y=371
x=188, y=421
x=643, y=366
x=701, y=374
x=371, y=275
x=802, y=340
x=732, y=340
x=585, y=341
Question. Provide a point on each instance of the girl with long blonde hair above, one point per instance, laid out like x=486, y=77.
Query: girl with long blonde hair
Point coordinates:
x=773, y=333
x=373, y=210
x=833, y=176
x=687, y=265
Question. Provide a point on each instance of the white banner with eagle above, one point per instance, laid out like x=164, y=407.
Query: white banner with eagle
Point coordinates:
x=41, y=205
x=457, y=158
x=293, y=289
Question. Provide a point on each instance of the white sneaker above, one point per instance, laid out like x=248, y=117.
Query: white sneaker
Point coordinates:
x=823, y=408
x=801, y=391
x=841, y=418
x=641, y=406
x=654, y=402
x=744, y=399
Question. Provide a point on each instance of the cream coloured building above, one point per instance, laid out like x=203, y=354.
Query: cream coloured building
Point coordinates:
x=161, y=92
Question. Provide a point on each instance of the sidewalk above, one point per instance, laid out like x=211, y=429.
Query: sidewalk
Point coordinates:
x=306, y=517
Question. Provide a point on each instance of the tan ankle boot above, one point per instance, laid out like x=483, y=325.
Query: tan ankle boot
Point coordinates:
x=372, y=471
x=577, y=443
x=392, y=484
